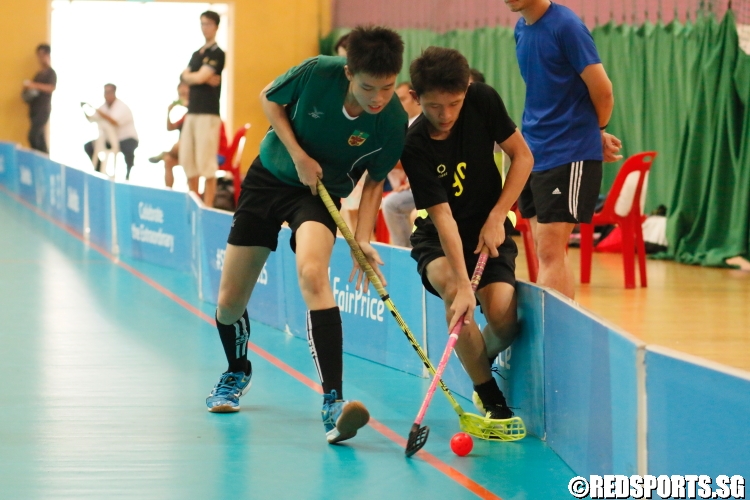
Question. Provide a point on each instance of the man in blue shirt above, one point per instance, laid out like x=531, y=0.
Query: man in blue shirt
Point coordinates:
x=569, y=101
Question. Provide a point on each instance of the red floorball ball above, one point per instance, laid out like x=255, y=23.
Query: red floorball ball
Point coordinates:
x=461, y=444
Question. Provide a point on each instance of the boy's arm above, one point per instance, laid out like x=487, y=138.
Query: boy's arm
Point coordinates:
x=369, y=204
x=521, y=163
x=309, y=170
x=464, y=302
x=198, y=77
x=600, y=91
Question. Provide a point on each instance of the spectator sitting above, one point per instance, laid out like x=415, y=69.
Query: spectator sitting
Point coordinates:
x=171, y=157
x=399, y=210
x=118, y=115
x=476, y=76
x=340, y=48
x=38, y=94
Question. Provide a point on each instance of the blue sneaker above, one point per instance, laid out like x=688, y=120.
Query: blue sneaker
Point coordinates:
x=225, y=396
x=342, y=419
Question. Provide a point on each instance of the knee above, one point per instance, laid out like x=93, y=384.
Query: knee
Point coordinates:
x=230, y=306
x=313, y=276
x=549, y=252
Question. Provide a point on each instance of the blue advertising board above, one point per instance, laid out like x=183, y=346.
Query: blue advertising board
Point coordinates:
x=522, y=364
x=154, y=225
x=591, y=390
x=8, y=167
x=698, y=416
x=98, y=205
x=50, y=187
x=26, y=162
x=75, y=181
x=405, y=289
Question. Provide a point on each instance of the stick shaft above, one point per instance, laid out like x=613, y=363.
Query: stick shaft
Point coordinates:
x=452, y=339
x=380, y=289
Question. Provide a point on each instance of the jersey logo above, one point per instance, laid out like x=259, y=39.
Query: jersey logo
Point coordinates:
x=315, y=113
x=556, y=191
x=456, y=181
x=358, y=138
x=441, y=171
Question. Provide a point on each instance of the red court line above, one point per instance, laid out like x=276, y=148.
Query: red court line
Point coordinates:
x=384, y=430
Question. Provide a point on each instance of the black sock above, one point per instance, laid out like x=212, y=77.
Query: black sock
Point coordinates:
x=326, y=339
x=490, y=393
x=234, y=338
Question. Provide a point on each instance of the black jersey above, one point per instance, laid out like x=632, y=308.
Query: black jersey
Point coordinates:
x=460, y=170
x=204, y=98
x=42, y=104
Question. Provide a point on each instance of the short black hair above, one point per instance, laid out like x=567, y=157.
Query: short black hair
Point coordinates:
x=212, y=16
x=114, y=87
x=375, y=50
x=441, y=69
x=44, y=47
x=477, y=76
x=343, y=42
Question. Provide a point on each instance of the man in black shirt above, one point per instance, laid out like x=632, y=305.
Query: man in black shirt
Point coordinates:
x=449, y=159
x=38, y=94
x=199, y=140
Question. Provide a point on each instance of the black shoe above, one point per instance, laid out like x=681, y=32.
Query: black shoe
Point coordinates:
x=499, y=411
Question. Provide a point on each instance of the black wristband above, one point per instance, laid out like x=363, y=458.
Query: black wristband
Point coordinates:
x=604, y=127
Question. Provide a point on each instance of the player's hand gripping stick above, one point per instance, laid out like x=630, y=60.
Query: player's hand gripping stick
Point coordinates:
x=418, y=434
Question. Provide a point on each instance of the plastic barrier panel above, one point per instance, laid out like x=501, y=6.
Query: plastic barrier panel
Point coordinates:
x=154, y=225
x=75, y=181
x=195, y=207
x=98, y=206
x=698, y=416
x=215, y=226
x=363, y=314
x=591, y=391
x=26, y=161
x=406, y=290
x=50, y=187
x=294, y=305
x=522, y=365
x=8, y=166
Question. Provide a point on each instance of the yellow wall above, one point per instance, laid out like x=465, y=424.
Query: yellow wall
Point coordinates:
x=24, y=24
x=269, y=37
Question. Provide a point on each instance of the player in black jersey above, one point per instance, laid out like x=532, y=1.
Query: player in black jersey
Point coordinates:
x=448, y=157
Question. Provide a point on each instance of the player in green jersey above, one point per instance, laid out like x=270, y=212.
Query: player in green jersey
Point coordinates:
x=332, y=119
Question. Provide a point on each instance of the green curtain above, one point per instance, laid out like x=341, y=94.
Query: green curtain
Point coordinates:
x=682, y=90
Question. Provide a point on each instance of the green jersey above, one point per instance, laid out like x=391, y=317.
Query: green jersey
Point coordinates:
x=344, y=146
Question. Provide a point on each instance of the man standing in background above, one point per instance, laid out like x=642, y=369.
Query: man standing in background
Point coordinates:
x=199, y=140
x=38, y=94
x=569, y=101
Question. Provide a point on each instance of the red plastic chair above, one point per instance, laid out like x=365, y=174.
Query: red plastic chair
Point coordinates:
x=233, y=159
x=622, y=207
x=532, y=262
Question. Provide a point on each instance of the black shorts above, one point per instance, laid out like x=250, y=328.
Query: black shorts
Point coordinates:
x=426, y=248
x=567, y=193
x=266, y=203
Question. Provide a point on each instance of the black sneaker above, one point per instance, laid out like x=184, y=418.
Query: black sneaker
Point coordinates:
x=499, y=411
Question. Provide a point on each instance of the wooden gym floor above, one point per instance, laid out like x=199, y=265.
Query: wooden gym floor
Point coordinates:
x=697, y=310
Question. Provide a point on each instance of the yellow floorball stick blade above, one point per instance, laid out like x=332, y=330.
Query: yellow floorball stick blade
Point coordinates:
x=509, y=429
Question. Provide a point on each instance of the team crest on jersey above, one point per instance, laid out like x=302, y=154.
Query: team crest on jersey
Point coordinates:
x=358, y=138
